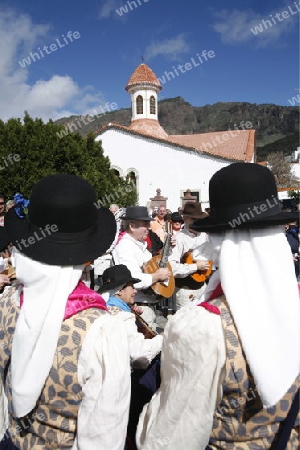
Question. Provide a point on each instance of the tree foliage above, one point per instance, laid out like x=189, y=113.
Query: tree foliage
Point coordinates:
x=282, y=170
x=32, y=150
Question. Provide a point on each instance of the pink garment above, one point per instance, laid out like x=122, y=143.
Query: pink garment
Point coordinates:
x=80, y=299
x=217, y=292
x=121, y=234
x=211, y=308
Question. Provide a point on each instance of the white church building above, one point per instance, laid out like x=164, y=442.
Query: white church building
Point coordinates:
x=169, y=165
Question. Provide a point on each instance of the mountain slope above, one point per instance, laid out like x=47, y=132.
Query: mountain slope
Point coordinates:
x=271, y=122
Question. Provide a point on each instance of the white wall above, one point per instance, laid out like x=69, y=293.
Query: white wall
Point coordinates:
x=296, y=169
x=171, y=169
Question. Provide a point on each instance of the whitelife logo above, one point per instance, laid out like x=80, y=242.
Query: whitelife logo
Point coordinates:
x=267, y=23
x=53, y=47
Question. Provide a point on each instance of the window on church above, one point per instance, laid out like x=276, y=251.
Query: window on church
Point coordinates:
x=116, y=173
x=139, y=104
x=152, y=105
x=132, y=178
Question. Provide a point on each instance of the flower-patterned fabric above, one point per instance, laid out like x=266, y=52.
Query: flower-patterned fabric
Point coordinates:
x=240, y=421
x=55, y=417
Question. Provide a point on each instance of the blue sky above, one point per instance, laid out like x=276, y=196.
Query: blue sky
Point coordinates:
x=79, y=72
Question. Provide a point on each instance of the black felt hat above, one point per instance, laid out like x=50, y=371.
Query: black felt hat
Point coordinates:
x=116, y=276
x=137, y=213
x=193, y=209
x=243, y=195
x=176, y=217
x=62, y=225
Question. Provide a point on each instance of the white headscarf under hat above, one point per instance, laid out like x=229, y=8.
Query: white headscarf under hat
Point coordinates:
x=257, y=275
x=46, y=289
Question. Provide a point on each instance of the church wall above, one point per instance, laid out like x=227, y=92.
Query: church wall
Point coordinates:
x=158, y=165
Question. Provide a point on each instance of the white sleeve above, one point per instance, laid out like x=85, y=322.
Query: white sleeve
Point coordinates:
x=142, y=351
x=124, y=254
x=104, y=374
x=180, y=414
x=180, y=270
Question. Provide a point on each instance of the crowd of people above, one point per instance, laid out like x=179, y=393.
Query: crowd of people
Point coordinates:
x=89, y=359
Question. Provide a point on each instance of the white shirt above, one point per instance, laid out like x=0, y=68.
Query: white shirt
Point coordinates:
x=185, y=241
x=104, y=374
x=142, y=351
x=180, y=413
x=134, y=254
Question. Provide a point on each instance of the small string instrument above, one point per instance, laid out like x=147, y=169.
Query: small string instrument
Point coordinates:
x=201, y=275
x=143, y=326
x=161, y=261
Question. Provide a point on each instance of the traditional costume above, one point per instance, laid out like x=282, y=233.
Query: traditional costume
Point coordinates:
x=65, y=360
x=230, y=365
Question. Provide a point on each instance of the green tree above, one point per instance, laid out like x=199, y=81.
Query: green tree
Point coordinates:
x=282, y=170
x=32, y=149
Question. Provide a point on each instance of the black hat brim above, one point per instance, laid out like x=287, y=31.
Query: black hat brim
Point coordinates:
x=115, y=283
x=57, y=248
x=148, y=219
x=209, y=224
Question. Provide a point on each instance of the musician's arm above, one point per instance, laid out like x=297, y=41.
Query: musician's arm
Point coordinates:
x=142, y=351
x=123, y=254
x=180, y=270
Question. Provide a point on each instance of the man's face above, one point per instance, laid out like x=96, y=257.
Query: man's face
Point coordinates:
x=139, y=230
x=188, y=221
x=161, y=212
x=114, y=209
x=127, y=294
x=176, y=226
x=2, y=205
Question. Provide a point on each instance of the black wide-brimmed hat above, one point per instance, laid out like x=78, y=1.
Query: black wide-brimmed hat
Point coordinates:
x=63, y=224
x=116, y=276
x=193, y=209
x=136, y=213
x=243, y=195
x=176, y=217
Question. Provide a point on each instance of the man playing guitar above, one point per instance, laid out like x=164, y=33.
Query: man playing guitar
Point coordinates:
x=190, y=273
x=132, y=252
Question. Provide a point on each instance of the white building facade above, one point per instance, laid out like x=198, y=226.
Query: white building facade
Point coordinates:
x=171, y=163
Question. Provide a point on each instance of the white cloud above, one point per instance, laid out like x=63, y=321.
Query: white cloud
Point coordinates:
x=109, y=8
x=170, y=48
x=51, y=98
x=235, y=26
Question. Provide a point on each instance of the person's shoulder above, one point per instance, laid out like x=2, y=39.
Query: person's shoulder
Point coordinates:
x=181, y=237
x=194, y=319
x=124, y=241
x=9, y=294
x=113, y=310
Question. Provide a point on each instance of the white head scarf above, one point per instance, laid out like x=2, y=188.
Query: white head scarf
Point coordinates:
x=46, y=289
x=257, y=275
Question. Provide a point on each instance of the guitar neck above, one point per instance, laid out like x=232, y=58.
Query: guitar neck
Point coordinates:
x=165, y=251
x=144, y=327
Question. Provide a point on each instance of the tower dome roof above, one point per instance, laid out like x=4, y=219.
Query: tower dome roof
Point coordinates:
x=144, y=76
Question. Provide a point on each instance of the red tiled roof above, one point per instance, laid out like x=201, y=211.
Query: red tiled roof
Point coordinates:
x=149, y=127
x=240, y=145
x=143, y=75
x=233, y=144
